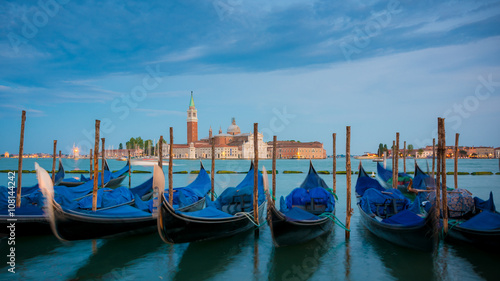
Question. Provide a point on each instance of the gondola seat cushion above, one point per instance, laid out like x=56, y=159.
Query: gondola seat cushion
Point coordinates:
x=318, y=197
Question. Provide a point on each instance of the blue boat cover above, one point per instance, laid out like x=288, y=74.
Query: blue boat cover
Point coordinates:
x=487, y=205
x=313, y=180
x=421, y=179
x=120, y=172
x=230, y=201
x=124, y=211
x=386, y=175
x=297, y=214
x=195, y=191
x=405, y=218
x=144, y=188
x=483, y=221
x=26, y=210
x=142, y=205
x=376, y=202
x=208, y=212
x=303, y=197
x=364, y=182
x=107, y=197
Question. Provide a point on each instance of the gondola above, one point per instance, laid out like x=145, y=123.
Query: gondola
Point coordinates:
x=136, y=216
x=480, y=228
x=391, y=216
x=386, y=176
x=306, y=213
x=118, y=176
x=115, y=180
x=30, y=219
x=230, y=214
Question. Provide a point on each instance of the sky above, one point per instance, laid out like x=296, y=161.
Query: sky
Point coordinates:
x=301, y=69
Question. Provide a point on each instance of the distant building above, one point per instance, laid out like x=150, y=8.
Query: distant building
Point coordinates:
x=231, y=145
x=497, y=152
x=298, y=150
x=6, y=154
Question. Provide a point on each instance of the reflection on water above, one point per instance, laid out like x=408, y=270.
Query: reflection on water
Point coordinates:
x=299, y=262
x=402, y=263
x=484, y=264
x=206, y=259
x=116, y=254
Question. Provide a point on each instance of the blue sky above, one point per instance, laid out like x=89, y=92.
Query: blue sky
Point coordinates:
x=301, y=69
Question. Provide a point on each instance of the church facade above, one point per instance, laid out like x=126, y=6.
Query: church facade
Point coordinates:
x=230, y=145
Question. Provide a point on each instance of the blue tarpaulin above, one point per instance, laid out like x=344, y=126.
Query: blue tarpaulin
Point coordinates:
x=483, y=221
x=297, y=214
x=376, y=202
x=406, y=218
x=107, y=197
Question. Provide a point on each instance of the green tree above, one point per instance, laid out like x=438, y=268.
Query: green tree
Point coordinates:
x=462, y=153
x=120, y=146
x=380, y=149
x=420, y=152
x=410, y=149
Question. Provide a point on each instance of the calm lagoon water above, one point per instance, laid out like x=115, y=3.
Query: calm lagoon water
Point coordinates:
x=245, y=256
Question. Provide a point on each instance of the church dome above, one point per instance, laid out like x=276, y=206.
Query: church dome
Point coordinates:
x=233, y=129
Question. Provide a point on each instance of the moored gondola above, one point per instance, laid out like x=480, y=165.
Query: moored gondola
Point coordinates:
x=122, y=217
x=391, y=216
x=230, y=214
x=306, y=213
x=480, y=227
x=386, y=176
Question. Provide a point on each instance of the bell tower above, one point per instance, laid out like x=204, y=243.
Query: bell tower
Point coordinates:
x=192, y=122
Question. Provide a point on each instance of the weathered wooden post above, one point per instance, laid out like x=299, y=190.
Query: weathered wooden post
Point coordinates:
x=103, y=153
x=60, y=154
x=455, y=174
x=274, y=169
x=348, y=180
x=212, y=171
x=170, y=167
x=129, y=170
x=433, y=157
x=256, y=173
x=91, y=171
x=96, y=165
x=385, y=159
x=20, y=159
x=396, y=161
x=334, y=135
x=394, y=175
x=54, y=162
x=160, y=154
x=443, y=171
x=438, y=189
x=404, y=157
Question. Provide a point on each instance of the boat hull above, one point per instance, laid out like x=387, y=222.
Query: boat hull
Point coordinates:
x=487, y=240
x=285, y=232
x=177, y=228
x=116, y=182
x=25, y=225
x=418, y=237
x=77, y=226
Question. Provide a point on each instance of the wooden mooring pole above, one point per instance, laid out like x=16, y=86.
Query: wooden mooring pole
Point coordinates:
x=433, y=157
x=256, y=173
x=438, y=190
x=348, y=181
x=404, y=157
x=54, y=155
x=394, y=175
x=396, y=161
x=274, y=169
x=443, y=177
x=96, y=165
x=20, y=166
x=170, y=167
x=212, y=170
x=160, y=154
x=455, y=173
x=334, y=173
x=103, y=161
x=91, y=171
x=129, y=170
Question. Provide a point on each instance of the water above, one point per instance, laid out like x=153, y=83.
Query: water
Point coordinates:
x=244, y=257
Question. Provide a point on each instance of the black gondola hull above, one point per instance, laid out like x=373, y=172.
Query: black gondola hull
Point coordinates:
x=419, y=237
x=76, y=226
x=486, y=240
x=285, y=232
x=115, y=182
x=25, y=225
x=177, y=228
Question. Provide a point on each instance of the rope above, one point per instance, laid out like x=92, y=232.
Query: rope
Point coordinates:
x=334, y=194
x=335, y=220
x=214, y=194
x=251, y=218
x=453, y=224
